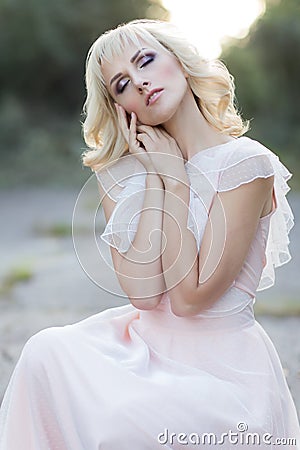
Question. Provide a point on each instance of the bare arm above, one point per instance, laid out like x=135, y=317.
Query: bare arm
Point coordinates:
x=195, y=283
x=139, y=270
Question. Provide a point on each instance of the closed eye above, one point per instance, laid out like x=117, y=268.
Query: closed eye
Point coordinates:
x=141, y=63
x=121, y=85
x=145, y=59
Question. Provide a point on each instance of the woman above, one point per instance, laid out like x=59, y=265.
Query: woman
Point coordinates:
x=197, y=220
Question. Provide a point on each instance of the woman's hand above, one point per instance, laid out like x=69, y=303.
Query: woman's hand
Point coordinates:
x=154, y=148
x=130, y=135
x=165, y=154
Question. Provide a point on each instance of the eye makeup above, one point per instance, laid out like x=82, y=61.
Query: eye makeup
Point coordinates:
x=121, y=84
x=143, y=60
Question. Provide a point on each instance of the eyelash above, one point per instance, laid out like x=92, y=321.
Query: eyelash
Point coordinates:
x=149, y=58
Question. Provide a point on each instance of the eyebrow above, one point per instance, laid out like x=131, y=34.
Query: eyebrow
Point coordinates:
x=118, y=75
x=136, y=55
x=132, y=60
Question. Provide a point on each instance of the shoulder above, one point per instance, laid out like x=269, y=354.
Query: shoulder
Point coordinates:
x=247, y=177
x=245, y=148
x=121, y=185
x=116, y=169
x=243, y=151
x=228, y=166
x=118, y=174
x=245, y=162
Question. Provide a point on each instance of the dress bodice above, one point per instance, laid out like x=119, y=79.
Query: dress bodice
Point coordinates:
x=249, y=277
x=215, y=169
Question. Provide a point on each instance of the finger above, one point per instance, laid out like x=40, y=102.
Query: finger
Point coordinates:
x=132, y=126
x=164, y=133
x=145, y=140
x=149, y=143
x=144, y=127
x=143, y=137
x=150, y=131
x=124, y=116
x=132, y=132
x=121, y=125
x=123, y=121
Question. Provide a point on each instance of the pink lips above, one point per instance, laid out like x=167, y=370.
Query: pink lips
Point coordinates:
x=149, y=100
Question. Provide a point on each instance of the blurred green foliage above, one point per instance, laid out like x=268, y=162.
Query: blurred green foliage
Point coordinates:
x=14, y=276
x=266, y=67
x=43, y=47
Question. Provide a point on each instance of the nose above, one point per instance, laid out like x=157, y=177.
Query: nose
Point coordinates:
x=141, y=85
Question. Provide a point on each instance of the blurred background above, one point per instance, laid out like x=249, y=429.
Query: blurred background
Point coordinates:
x=43, y=45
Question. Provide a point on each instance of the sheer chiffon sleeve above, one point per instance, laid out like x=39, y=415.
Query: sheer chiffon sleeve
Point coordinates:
x=247, y=164
x=212, y=171
x=228, y=167
x=124, y=183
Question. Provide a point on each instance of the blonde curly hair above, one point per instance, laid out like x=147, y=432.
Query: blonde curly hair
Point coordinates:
x=210, y=81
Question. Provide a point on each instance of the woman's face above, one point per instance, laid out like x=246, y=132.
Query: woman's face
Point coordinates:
x=146, y=81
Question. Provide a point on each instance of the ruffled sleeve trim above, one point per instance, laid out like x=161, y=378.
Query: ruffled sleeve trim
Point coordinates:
x=216, y=170
x=228, y=167
x=281, y=222
x=118, y=174
x=124, y=183
x=245, y=165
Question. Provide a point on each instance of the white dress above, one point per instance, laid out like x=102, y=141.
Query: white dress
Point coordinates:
x=126, y=379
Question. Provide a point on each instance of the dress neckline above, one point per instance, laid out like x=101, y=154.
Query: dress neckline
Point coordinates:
x=208, y=149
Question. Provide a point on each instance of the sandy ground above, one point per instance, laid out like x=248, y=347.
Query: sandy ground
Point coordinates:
x=66, y=275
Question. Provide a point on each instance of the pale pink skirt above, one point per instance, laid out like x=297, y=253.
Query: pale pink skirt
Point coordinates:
x=125, y=379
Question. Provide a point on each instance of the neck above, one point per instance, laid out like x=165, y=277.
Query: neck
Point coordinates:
x=191, y=130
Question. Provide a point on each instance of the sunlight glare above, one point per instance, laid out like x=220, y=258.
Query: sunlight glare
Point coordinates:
x=207, y=22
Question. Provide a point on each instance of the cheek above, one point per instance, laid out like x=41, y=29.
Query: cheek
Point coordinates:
x=130, y=106
x=170, y=70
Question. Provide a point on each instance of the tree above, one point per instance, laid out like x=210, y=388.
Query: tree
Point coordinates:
x=43, y=44
x=266, y=67
x=43, y=47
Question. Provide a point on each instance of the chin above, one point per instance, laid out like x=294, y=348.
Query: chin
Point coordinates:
x=160, y=118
